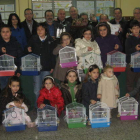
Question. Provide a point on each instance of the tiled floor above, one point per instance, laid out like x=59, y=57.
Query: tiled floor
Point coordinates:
x=118, y=130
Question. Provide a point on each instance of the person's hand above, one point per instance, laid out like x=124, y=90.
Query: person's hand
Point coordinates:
x=120, y=29
x=54, y=37
x=90, y=48
x=117, y=96
x=55, y=106
x=17, y=104
x=93, y=102
x=127, y=35
x=42, y=106
x=18, y=75
x=11, y=106
x=29, y=49
x=51, y=71
x=117, y=87
x=99, y=96
x=116, y=33
x=138, y=47
x=116, y=47
x=127, y=95
x=3, y=49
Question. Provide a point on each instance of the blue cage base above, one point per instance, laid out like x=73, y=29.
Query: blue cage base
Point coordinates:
x=135, y=69
x=30, y=73
x=99, y=125
x=47, y=128
x=15, y=128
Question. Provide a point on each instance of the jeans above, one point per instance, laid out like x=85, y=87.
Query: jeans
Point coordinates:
x=3, y=81
x=38, y=83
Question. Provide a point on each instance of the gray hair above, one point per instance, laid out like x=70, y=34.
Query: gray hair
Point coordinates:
x=61, y=9
x=137, y=8
x=82, y=14
x=73, y=7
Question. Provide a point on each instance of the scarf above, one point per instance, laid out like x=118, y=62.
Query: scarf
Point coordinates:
x=71, y=86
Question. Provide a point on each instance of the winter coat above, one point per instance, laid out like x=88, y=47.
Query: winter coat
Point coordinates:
x=44, y=50
x=19, y=34
x=107, y=89
x=81, y=46
x=130, y=46
x=54, y=95
x=14, y=49
x=89, y=92
x=107, y=45
x=59, y=73
x=27, y=31
x=67, y=95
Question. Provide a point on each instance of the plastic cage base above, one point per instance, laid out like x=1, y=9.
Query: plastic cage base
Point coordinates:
x=7, y=73
x=99, y=125
x=68, y=65
x=132, y=117
x=119, y=69
x=47, y=128
x=76, y=125
x=30, y=73
x=135, y=69
x=15, y=128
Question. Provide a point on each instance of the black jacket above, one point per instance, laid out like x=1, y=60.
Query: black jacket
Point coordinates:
x=67, y=95
x=27, y=31
x=65, y=24
x=130, y=46
x=89, y=92
x=44, y=50
x=13, y=48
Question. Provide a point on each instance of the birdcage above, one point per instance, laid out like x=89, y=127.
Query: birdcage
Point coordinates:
x=75, y=115
x=67, y=57
x=47, y=119
x=89, y=59
x=14, y=119
x=7, y=66
x=135, y=61
x=30, y=64
x=99, y=115
x=128, y=108
x=117, y=60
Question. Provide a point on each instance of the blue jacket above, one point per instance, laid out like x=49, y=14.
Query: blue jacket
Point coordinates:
x=19, y=34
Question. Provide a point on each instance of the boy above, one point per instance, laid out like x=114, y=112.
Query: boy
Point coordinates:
x=132, y=45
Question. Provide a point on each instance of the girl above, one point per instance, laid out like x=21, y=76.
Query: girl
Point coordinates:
x=18, y=101
x=108, y=88
x=89, y=87
x=86, y=44
x=51, y=95
x=17, y=30
x=8, y=93
x=71, y=88
x=65, y=40
x=106, y=41
x=42, y=44
x=10, y=46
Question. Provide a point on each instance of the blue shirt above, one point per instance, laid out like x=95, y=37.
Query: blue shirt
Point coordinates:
x=51, y=30
x=19, y=34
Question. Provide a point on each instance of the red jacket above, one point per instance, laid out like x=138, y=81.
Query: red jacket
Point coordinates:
x=54, y=95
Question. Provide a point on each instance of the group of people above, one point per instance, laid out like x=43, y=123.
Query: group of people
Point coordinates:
x=21, y=38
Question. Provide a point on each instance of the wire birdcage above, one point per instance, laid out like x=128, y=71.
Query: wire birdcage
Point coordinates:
x=30, y=64
x=47, y=118
x=7, y=66
x=117, y=60
x=89, y=59
x=75, y=115
x=67, y=57
x=99, y=115
x=135, y=61
x=14, y=119
x=128, y=108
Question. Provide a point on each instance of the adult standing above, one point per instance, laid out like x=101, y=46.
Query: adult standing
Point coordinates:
x=29, y=24
x=17, y=30
x=123, y=23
